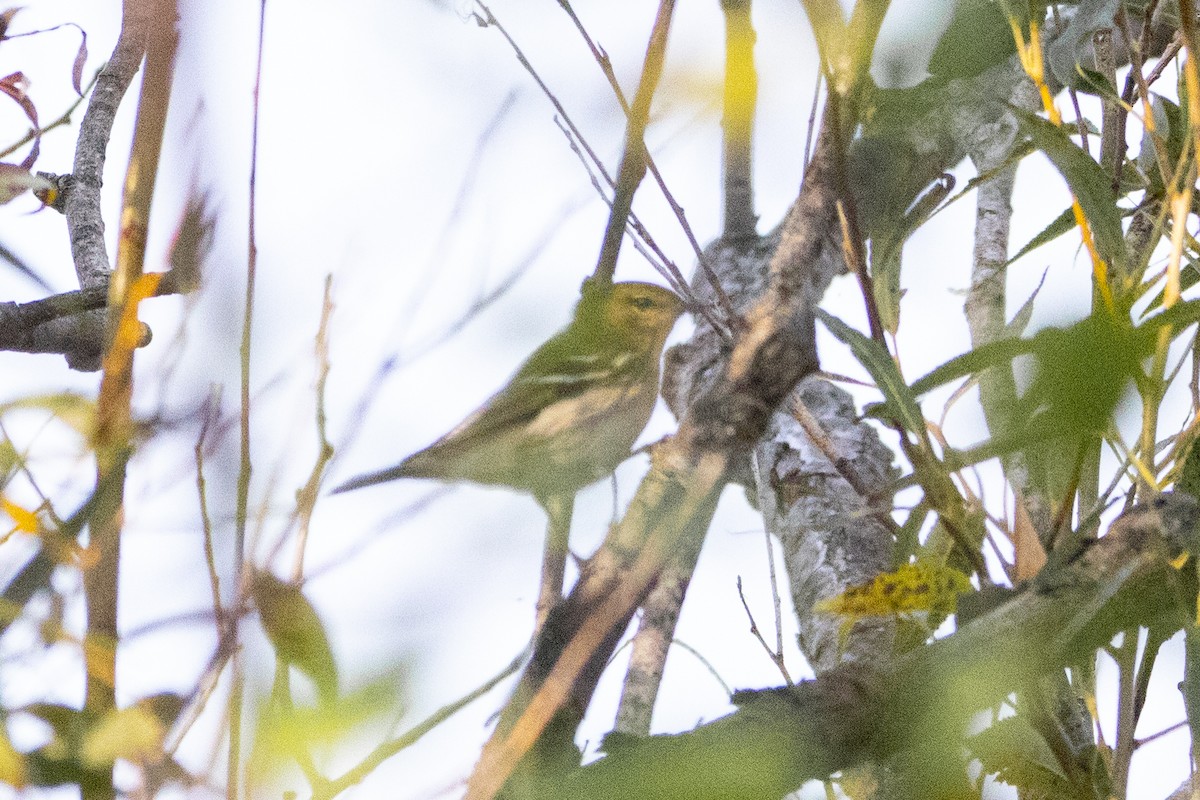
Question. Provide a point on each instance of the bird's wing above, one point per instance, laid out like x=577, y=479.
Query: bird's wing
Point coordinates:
x=564, y=367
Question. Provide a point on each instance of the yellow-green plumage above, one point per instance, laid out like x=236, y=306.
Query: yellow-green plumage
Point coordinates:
x=571, y=413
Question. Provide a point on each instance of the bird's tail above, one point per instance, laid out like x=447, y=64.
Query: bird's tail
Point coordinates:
x=372, y=478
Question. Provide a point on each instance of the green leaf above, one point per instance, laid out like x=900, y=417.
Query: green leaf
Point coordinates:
x=991, y=354
x=1179, y=316
x=295, y=631
x=1189, y=472
x=1013, y=751
x=1090, y=81
x=1089, y=183
x=1061, y=224
x=1190, y=685
x=1082, y=371
x=1020, y=320
x=901, y=400
x=885, y=273
x=977, y=38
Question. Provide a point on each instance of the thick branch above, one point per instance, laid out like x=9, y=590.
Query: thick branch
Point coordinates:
x=84, y=221
x=853, y=715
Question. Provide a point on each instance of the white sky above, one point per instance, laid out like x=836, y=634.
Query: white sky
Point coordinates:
x=371, y=113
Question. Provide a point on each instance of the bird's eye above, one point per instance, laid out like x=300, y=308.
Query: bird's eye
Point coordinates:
x=642, y=302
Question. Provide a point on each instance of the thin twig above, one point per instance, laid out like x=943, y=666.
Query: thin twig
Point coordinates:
x=393, y=746
x=63, y=119
x=776, y=658
x=633, y=162
x=306, y=498
x=245, y=466
x=606, y=67
x=212, y=409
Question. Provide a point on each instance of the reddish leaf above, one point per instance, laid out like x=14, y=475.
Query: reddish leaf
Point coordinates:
x=80, y=60
x=14, y=86
x=5, y=18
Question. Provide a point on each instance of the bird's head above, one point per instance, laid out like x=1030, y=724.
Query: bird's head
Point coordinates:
x=642, y=312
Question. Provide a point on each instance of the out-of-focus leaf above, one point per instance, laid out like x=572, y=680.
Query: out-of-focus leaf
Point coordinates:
x=192, y=242
x=75, y=410
x=978, y=38
x=32, y=578
x=1178, y=316
x=16, y=180
x=282, y=731
x=15, y=85
x=1082, y=371
x=22, y=267
x=12, y=763
x=1002, y=351
x=133, y=734
x=901, y=401
x=1089, y=183
x=6, y=18
x=1058, y=226
x=25, y=521
x=1013, y=751
x=1074, y=46
x=296, y=632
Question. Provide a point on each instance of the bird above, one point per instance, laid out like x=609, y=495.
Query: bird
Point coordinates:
x=566, y=419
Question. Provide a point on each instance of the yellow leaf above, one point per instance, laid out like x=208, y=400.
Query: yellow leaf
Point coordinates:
x=133, y=734
x=12, y=763
x=27, y=521
x=919, y=587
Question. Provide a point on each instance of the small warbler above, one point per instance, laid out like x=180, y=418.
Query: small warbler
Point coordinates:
x=573, y=410
x=566, y=419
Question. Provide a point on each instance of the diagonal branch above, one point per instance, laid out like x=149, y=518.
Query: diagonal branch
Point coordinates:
x=633, y=163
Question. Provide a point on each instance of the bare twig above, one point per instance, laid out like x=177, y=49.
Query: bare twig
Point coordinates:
x=775, y=656
x=633, y=162
x=393, y=746
x=212, y=411
x=606, y=67
x=245, y=466
x=306, y=498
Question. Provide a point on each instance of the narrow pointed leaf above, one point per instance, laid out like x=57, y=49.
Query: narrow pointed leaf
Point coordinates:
x=901, y=400
x=1061, y=224
x=1088, y=181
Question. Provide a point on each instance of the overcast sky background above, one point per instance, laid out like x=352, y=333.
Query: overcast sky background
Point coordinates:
x=405, y=151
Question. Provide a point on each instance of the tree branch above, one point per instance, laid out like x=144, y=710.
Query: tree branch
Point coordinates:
x=853, y=715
